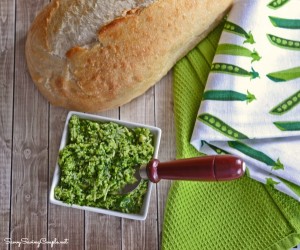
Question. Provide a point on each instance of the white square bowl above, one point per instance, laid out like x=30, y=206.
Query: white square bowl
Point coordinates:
x=156, y=132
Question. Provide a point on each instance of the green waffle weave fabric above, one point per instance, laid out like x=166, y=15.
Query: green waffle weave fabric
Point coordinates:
x=241, y=214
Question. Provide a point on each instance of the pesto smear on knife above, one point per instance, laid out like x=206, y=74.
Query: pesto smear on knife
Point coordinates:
x=99, y=160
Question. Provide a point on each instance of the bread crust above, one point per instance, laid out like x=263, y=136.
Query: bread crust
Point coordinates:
x=130, y=55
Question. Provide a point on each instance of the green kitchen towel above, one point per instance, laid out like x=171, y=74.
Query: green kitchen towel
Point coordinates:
x=251, y=103
x=242, y=214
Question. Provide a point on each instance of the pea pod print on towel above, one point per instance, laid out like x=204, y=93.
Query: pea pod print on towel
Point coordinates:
x=227, y=95
x=288, y=126
x=286, y=105
x=292, y=186
x=218, y=150
x=233, y=70
x=255, y=154
x=247, y=172
x=238, y=30
x=284, y=43
x=236, y=50
x=275, y=4
x=285, y=23
x=220, y=126
x=271, y=183
x=285, y=75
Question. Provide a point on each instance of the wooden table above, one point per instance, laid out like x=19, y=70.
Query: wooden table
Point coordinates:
x=30, y=133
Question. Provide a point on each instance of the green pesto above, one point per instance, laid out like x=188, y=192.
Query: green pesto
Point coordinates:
x=99, y=160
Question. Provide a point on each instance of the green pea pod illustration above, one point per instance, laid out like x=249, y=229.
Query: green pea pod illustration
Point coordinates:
x=218, y=150
x=236, y=50
x=233, y=70
x=238, y=30
x=284, y=43
x=271, y=183
x=220, y=126
x=285, y=23
x=227, y=95
x=255, y=154
x=275, y=4
x=247, y=172
x=292, y=186
x=286, y=105
x=288, y=126
x=285, y=75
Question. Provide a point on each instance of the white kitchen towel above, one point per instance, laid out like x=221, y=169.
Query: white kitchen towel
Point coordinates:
x=251, y=104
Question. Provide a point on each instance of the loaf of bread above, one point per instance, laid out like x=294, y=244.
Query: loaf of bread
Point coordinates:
x=96, y=55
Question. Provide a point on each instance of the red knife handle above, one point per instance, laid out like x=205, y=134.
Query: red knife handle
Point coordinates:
x=205, y=168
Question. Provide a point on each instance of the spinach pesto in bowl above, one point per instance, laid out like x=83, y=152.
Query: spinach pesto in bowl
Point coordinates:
x=99, y=160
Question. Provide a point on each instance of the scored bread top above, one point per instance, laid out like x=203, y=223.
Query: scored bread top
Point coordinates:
x=76, y=23
x=94, y=55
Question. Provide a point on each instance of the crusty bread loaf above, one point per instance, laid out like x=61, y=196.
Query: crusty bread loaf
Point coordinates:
x=98, y=54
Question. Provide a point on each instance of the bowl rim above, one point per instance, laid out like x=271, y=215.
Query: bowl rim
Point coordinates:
x=56, y=175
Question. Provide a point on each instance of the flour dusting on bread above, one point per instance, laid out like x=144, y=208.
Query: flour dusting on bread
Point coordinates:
x=80, y=24
x=95, y=55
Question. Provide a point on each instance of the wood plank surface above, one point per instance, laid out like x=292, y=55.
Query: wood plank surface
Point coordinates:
x=63, y=223
x=30, y=142
x=101, y=231
x=30, y=134
x=165, y=121
x=140, y=235
x=7, y=31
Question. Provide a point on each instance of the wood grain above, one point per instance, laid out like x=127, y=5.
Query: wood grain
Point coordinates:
x=63, y=223
x=30, y=142
x=101, y=231
x=165, y=120
x=30, y=134
x=7, y=30
x=137, y=235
